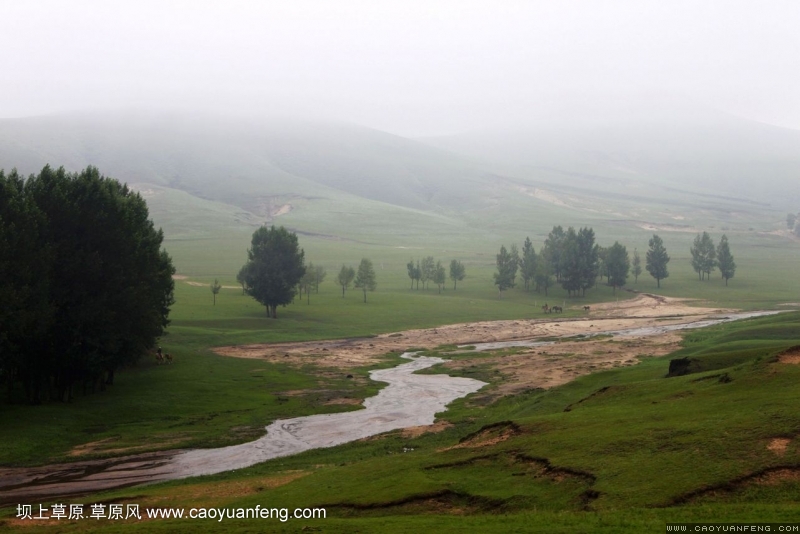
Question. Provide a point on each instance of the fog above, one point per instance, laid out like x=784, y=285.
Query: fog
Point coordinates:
x=415, y=68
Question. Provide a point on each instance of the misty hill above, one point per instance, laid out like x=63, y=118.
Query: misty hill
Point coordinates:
x=711, y=152
x=247, y=164
x=204, y=176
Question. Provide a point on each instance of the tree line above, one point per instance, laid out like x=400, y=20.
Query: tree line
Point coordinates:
x=706, y=257
x=572, y=259
x=427, y=271
x=86, y=286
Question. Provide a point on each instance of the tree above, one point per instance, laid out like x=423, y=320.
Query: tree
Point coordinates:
x=215, y=287
x=93, y=287
x=703, y=255
x=543, y=278
x=657, y=259
x=579, y=260
x=242, y=278
x=637, y=266
x=346, y=275
x=365, y=279
x=439, y=275
x=554, y=247
x=457, y=272
x=506, y=269
x=725, y=259
x=527, y=264
x=319, y=275
x=618, y=265
x=274, y=267
x=307, y=281
x=412, y=272
x=427, y=270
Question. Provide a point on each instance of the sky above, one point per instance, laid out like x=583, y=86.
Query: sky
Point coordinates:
x=412, y=67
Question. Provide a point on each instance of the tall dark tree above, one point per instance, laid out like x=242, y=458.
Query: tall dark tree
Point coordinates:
x=657, y=259
x=527, y=264
x=636, y=269
x=365, y=278
x=725, y=259
x=275, y=267
x=506, y=273
x=457, y=272
x=579, y=261
x=618, y=265
x=97, y=287
x=345, y=276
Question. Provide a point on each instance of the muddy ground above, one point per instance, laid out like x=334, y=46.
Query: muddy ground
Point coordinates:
x=536, y=367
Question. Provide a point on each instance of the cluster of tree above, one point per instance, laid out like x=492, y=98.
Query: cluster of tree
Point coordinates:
x=793, y=223
x=706, y=257
x=572, y=259
x=429, y=270
x=276, y=271
x=364, y=279
x=87, y=288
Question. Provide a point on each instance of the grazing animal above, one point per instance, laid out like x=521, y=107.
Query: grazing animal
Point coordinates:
x=167, y=358
x=556, y=309
x=586, y=308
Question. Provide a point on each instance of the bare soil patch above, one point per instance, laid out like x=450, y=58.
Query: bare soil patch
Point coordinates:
x=791, y=356
x=541, y=367
x=778, y=445
x=417, y=431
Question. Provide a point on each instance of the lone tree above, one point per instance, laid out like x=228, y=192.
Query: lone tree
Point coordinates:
x=457, y=272
x=365, y=279
x=345, y=276
x=274, y=267
x=657, y=260
x=725, y=259
x=617, y=265
x=215, y=287
x=636, y=266
x=506, y=269
x=439, y=275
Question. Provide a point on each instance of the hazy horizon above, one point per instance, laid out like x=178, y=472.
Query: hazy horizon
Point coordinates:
x=410, y=68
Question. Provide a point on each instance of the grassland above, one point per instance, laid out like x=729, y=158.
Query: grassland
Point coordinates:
x=619, y=451
x=634, y=450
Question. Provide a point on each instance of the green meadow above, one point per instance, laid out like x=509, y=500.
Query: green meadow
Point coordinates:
x=624, y=450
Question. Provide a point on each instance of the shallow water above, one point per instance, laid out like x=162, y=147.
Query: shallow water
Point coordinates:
x=640, y=331
x=409, y=400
